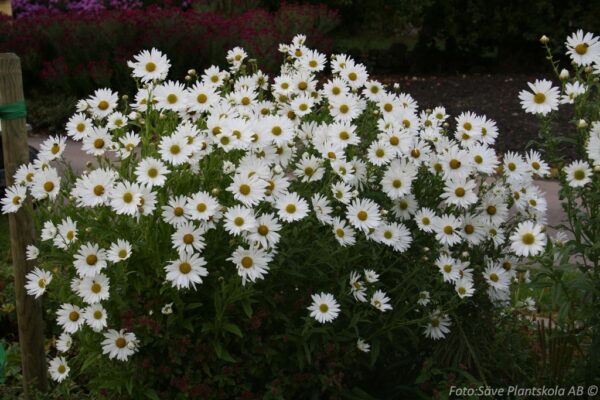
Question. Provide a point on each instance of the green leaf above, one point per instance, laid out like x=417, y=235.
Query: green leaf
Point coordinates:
x=232, y=328
x=247, y=308
x=151, y=394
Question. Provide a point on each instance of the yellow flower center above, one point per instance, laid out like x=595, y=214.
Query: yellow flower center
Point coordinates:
x=462, y=290
x=535, y=165
x=16, y=200
x=70, y=235
x=263, y=230
x=172, y=98
x=103, y=105
x=152, y=172
x=491, y=210
x=99, y=143
x=97, y=314
x=352, y=76
x=362, y=215
x=344, y=108
x=96, y=287
x=448, y=230
x=309, y=171
x=323, y=308
x=188, y=238
x=528, y=238
x=340, y=232
x=388, y=107
x=455, y=164
x=55, y=148
x=425, y=221
x=120, y=342
x=415, y=153
x=49, y=186
x=201, y=98
x=469, y=229
x=92, y=259
x=245, y=100
x=42, y=283
x=61, y=369
x=397, y=183
x=512, y=166
x=313, y=63
x=185, y=268
x=175, y=149
x=276, y=131
x=494, y=277
x=459, y=192
x=579, y=175
x=245, y=189
x=388, y=235
x=539, y=98
x=478, y=159
x=247, y=262
x=73, y=316
x=336, y=90
x=290, y=208
x=127, y=197
x=239, y=221
x=302, y=85
x=467, y=126
x=581, y=48
x=201, y=207
x=379, y=153
x=150, y=66
x=122, y=253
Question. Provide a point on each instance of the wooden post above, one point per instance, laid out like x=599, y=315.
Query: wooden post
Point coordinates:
x=29, y=310
x=5, y=7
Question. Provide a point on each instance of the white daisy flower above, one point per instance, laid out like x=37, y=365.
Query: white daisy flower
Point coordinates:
x=249, y=190
x=94, y=289
x=103, y=102
x=70, y=317
x=97, y=142
x=578, y=173
x=424, y=298
x=188, y=238
x=438, y=326
x=116, y=120
x=464, y=287
x=239, y=219
x=186, y=271
x=542, y=99
x=170, y=96
x=58, y=369
x=52, y=148
x=266, y=232
x=324, y=307
x=371, y=276
x=125, y=198
x=32, y=252
x=363, y=214
x=447, y=229
x=79, y=126
x=201, y=206
x=90, y=260
x=174, y=149
x=528, y=239
x=64, y=342
x=380, y=301
x=321, y=208
x=119, y=344
x=37, y=281
x=94, y=189
x=424, y=219
x=291, y=207
x=344, y=234
x=449, y=267
x=150, y=65
x=496, y=276
x=357, y=287
x=252, y=263
x=151, y=172
x=363, y=346
x=119, y=251
x=584, y=49
x=46, y=184
x=13, y=198
x=66, y=233
x=95, y=317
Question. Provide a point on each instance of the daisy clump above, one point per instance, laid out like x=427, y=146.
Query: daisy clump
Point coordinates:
x=236, y=191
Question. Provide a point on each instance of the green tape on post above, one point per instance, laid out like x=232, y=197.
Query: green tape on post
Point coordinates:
x=13, y=111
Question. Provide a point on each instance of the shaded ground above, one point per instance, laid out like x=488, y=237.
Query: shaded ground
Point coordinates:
x=495, y=96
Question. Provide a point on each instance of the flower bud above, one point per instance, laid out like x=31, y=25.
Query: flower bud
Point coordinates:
x=544, y=40
x=588, y=69
x=188, y=78
x=582, y=124
x=564, y=74
x=215, y=191
x=191, y=72
x=125, y=97
x=596, y=168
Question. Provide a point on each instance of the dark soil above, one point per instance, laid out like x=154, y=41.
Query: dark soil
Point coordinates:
x=495, y=96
